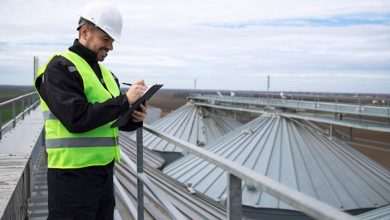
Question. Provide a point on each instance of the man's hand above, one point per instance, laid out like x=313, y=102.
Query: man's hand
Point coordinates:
x=135, y=91
x=139, y=116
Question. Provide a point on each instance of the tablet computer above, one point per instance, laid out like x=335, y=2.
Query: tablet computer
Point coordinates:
x=124, y=118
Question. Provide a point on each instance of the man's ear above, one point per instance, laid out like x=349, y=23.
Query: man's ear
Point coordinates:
x=84, y=32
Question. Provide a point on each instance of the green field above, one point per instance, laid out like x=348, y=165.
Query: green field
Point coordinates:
x=9, y=92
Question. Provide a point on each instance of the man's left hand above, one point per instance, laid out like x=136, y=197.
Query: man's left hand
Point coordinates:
x=139, y=116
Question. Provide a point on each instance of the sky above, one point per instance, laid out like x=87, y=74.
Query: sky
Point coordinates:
x=303, y=45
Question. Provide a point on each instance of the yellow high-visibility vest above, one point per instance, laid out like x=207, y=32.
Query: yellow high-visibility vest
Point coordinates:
x=98, y=146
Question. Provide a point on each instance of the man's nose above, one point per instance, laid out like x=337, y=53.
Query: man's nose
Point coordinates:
x=110, y=45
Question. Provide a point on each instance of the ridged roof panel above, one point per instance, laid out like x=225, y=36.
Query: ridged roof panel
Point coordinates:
x=382, y=213
x=190, y=123
x=295, y=154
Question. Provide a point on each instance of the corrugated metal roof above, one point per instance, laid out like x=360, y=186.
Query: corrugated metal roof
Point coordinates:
x=382, y=213
x=296, y=155
x=193, y=124
x=129, y=146
x=190, y=206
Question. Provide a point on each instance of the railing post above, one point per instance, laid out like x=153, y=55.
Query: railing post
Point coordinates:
x=140, y=172
x=35, y=73
x=1, y=124
x=331, y=132
x=13, y=114
x=234, y=198
x=31, y=103
x=23, y=108
x=35, y=70
x=28, y=105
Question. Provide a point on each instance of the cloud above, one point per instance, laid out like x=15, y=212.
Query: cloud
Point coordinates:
x=176, y=41
x=359, y=19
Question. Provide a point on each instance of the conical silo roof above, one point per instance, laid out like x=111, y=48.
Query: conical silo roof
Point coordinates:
x=295, y=154
x=190, y=123
x=382, y=213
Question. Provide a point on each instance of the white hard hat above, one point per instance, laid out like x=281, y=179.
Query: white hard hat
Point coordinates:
x=105, y=16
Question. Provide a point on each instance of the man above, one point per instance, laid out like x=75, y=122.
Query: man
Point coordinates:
x=80, y=99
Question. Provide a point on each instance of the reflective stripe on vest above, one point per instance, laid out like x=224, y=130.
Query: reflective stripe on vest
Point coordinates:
x=81, y=142
x=98, y=146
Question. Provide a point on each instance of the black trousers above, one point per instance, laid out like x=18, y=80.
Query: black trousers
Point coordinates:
x=85, y=193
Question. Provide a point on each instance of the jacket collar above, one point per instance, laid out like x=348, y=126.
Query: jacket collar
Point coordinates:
x=84, y=52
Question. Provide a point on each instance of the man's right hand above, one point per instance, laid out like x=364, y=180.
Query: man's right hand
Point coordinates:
x=135, y=91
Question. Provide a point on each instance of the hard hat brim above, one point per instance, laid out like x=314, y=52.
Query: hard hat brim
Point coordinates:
x=84, y=21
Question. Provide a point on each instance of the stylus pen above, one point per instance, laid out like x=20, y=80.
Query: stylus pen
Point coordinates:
x=127, y=84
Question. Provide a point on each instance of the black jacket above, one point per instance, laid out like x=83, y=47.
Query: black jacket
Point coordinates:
x=61, y=87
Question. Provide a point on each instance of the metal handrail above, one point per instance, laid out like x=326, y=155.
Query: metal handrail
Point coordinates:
x=28, y=103
x=238, y=173
x=333, y=107
x=9, y=101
